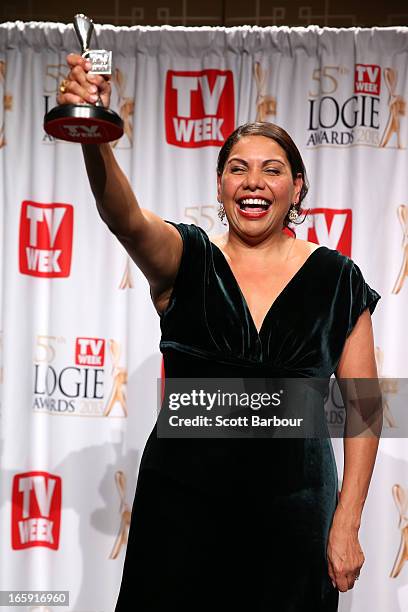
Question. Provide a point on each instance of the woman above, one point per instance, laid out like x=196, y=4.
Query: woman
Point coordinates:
x=242, y=524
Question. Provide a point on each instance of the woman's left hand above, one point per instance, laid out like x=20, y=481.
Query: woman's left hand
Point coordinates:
x=344, y=555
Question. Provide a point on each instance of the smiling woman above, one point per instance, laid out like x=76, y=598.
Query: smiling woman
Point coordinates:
x=254, y=523
x=285, y=159
x=255, y=302
x=261, y=182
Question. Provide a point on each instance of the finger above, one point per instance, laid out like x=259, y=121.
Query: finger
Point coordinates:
x=78, y=74
x=105, y=88
x=87, y=94
x=351, y=580
x=102, y=83
x=68, y=98
x=91, y=84
x=342, y=583
x=73, y=59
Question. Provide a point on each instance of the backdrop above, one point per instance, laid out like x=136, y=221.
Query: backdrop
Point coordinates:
x=80, y=358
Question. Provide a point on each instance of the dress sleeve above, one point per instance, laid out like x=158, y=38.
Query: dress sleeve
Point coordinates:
x=362, y=296
x=193, y=250
x=192, y=264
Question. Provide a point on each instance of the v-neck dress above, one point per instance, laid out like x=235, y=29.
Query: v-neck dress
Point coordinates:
x=242, y=524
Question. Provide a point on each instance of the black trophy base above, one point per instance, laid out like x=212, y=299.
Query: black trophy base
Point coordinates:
x=83, y=123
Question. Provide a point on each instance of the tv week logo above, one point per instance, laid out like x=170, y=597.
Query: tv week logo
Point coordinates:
x=90, y=352
x=367, y=79
x=36, y=510
x=329, y=226
x=199, y=107
x=46, y=232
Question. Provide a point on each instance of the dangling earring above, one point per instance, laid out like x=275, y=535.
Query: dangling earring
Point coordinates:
x=293, y=213
x=221, y=213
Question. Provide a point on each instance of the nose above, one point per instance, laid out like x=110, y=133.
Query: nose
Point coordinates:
x=254, y=179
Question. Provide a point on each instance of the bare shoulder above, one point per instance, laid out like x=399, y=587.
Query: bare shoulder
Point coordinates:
x=306, y=247
x=163, y=225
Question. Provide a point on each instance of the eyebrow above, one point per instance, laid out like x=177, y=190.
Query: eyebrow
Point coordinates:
x=267, y=161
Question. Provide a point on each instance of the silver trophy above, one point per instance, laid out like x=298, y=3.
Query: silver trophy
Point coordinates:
x=86, y=123
x=101, y=60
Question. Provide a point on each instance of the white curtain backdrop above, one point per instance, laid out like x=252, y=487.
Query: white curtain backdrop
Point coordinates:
x=79, y=335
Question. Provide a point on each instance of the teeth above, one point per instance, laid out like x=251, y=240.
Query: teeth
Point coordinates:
x=254, y=202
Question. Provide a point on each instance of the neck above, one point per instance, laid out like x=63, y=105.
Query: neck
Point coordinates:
x=277, y=245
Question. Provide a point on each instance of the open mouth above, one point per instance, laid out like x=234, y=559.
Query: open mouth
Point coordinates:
x=254, y=204
x=253, y=208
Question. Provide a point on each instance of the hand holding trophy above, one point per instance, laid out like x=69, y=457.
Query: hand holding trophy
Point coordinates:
x=82, y=115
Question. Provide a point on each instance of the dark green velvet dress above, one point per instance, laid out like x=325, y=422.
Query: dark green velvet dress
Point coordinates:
x=242, y=524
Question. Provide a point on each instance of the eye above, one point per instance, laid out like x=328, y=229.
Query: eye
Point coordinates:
x=272, y=171
x=237, y=169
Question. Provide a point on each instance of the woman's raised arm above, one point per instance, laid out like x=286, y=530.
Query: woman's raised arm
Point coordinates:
x=155, y=246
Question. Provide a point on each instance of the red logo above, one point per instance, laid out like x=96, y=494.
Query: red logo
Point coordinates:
x=90, y=352
x=199, y=107
x=46, y=239
x=328, y=226
x=36, y=510
x=367, y=79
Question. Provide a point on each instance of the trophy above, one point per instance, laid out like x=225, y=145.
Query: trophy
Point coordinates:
x=86, y=123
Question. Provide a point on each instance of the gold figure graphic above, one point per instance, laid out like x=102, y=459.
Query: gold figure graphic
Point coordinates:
x=127, y=278
x=126, y=107
x=119, y=374
x=265, y=105
x=402, y=212
x=401, y=501
x=387, y=385
x=125, y=511
x=7, y=103
x=396, y=105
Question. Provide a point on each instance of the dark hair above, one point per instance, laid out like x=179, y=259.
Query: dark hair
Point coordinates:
x=282, y=138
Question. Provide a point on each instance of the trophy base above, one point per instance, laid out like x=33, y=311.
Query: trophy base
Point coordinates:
x=83, y=123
